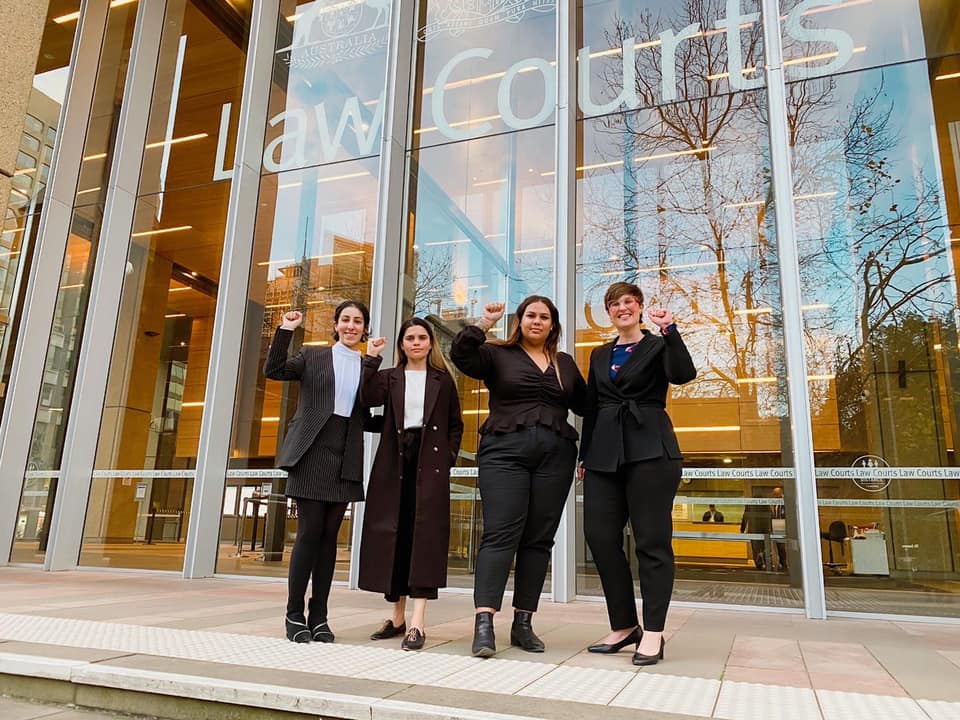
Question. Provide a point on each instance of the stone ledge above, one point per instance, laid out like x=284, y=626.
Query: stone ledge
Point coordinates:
x=186, y=697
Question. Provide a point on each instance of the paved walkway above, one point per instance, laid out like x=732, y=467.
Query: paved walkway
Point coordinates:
x=220, y=639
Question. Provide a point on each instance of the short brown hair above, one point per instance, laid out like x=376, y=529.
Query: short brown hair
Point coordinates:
x=618, y=290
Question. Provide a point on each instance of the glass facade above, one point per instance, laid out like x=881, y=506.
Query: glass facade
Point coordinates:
x=668, y=157
x=66, y=334
x=19, y=234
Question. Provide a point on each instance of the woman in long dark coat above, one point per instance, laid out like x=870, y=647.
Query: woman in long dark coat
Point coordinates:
x=406, y=524
x=631, y=467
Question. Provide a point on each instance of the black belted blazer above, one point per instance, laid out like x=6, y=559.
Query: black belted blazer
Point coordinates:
x=626, y=418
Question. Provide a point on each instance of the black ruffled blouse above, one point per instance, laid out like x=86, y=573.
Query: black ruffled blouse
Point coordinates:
x=520, y=394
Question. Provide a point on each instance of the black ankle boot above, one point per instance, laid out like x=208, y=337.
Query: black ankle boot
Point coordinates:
x=296, y=627
x=484, y=643
x=521, y=632
x=317, y=622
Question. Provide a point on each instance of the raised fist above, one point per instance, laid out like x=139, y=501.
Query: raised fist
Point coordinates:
x=375, y=346
x=660, y=317
x=292, y=320
x=492, y=312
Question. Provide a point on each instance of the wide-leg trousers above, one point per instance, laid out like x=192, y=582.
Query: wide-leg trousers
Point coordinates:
x=642, y=492
x=524, y=478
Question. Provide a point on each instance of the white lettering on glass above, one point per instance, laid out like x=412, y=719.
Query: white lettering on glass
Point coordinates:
x=439, y=92
x=549, y=93
x=628, y=95
x=668, y=72
x=351, y=111
x=289, y=149
x=797, y=31
x=731, y=23
x=297, y=133
x=219, y=171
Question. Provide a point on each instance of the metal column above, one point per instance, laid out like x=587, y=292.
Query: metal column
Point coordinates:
x=26, y=376
x=563, y=578
x=801, y=434
x=86, y=411
x=216, y=425
x=386, y=301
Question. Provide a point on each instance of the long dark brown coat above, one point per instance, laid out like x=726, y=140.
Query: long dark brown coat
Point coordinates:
x=442, y=430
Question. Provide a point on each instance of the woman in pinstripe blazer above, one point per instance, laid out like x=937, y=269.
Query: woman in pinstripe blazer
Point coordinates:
x=323, y=456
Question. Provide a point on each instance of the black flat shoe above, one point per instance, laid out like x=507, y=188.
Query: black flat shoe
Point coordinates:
x=413, y=640
x=297, y=630
x=610, y=648
x=484, y=642
x=522, y=635
x=640, y=659
x=389, y=630
x=320, y=631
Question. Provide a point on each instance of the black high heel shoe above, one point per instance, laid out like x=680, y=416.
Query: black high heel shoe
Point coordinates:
x=610, y=648
x=640, y=659
x=297, y=631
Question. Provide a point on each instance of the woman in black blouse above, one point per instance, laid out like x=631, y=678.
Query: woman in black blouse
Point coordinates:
x=630, y=466
x=526, y=459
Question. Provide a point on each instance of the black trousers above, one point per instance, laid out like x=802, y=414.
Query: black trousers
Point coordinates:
x=314, y=555
x=403, y=550
x=524, y=479
x=642, y=492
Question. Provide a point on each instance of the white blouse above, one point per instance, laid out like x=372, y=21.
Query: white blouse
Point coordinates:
x=346, y=379
x=415, y=384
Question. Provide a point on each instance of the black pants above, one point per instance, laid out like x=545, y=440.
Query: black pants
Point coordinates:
x=403, y=550
x=524, y=479
x=642, y=492
x=314, y=554
x=759, y=552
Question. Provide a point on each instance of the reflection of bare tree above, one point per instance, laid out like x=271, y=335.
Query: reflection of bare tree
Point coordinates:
x=689, y=215
x=692, y=172
x=882, y=249
x=432, y=282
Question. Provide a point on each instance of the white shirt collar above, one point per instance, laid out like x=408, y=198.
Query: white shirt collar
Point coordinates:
x=339, y=347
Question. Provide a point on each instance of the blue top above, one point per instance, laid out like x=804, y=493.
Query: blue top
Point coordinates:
x=620, y=354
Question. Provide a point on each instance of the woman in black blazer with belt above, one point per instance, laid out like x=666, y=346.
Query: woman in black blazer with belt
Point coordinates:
x=323, y=456
x=630, y=466
x=406, y=524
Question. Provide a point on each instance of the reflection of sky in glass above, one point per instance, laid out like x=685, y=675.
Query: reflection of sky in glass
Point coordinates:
x=701, y=61
x=470, y=97
x=484, y=221
x=837, y=235
x=53, y=83
x=686, y=219
x=883, y=31
x=315, y=204
x=880, y=32
x=333, y=76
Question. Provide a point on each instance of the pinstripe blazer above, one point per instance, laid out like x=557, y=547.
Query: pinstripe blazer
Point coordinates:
x=313, y=368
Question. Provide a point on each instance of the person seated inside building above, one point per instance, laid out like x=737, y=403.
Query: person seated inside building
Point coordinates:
x=713, y=515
